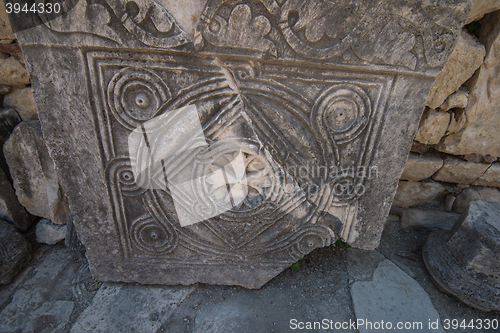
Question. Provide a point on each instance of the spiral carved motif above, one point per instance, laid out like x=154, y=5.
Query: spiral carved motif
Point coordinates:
x=342, y=112
x=135, y=95
x=152, y=237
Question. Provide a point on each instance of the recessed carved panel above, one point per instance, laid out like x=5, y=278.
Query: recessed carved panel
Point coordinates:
x=292, y=174
x=224, y=157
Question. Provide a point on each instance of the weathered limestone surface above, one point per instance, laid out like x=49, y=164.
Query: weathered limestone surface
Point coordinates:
x=48, y=232
x=463, y=200
x=419, y=167
x=13, y=73
x=392, y=296
x=15, y=252
x=456, y=170
x=458, y=99
x=428, y=219
x=10, y=208
x=6, y=34
x=42, y=303
x=463, y=62
x=433, y=126
x=480, y=8
x=22, y=100
x=458, y=119
x=491, y=177
x=465, y=261
x=186, y=13
x=32, y=169
x=415, y=193
x=480, y=134
x=113, y=300
x=308, y=110
x=9, y=118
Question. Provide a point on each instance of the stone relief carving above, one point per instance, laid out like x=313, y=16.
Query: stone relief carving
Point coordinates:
x=146, y=20
x=241, y=30
x=379, y=33
x=274, y=184
x=231, y=154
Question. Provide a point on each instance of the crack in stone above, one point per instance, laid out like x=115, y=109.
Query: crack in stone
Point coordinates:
x=233, y=84
x=175, y=306
x=483, y=173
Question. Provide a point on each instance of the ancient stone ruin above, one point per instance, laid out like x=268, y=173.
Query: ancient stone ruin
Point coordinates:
x=465, y=261
x=223, y=152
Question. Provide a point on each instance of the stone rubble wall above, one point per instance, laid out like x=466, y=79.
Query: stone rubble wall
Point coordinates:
x=29, y=186
x=455, y=153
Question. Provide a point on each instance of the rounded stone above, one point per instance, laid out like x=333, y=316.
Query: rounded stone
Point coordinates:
x=465, y=261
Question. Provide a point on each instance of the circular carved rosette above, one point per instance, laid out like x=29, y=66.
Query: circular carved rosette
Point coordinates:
x=346, y=189
x=247, y=171
x=151, y=237
x=341, y=113
x=135, y=95
x=309, y=239
x=121, y=177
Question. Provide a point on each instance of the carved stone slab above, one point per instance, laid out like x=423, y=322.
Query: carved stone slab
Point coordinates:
x=223, y=157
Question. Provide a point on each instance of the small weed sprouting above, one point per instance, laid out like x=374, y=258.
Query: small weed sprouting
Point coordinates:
x=296, y=266
x=342, y=244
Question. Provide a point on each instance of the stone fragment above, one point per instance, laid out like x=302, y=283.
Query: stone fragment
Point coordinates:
x=473, y=158
x=489, y=159
x=13, y=73
x=48, y=232
x=6, y=33
x=489, y=194
x=480, y=135
x=361, y=264
x=71, y=239
x=432, y=127
x=41, y=304
x=9, y=118
x=481, y=8
x=286, y=110
x=471, y=194
x=15, y=252
x=491, y=177
x=22, y=100
x=6, y=41
x=129, y=308
x=392, y=297
x=420, y=167
x=10, y=208
x=465, y=262
x=458, y=119
x=33, y=173
x=416, y=193
x=4, y=90
x=456, y=170
x=186, y=13
x=428, y=219
x=448, y=202
x=418, y=147
x=458, y=99
x=463, y=62
x=395, y=213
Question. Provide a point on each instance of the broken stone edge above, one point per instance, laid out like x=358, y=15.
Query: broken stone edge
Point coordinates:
x=448, y=275
x=63, y=129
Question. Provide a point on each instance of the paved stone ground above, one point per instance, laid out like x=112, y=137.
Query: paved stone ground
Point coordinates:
x=55, y=293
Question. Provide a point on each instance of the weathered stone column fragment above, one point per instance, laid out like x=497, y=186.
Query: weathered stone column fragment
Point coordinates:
x=304, y=114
